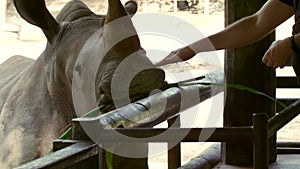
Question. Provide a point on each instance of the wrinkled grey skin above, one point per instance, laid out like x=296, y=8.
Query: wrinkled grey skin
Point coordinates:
x=36, y=102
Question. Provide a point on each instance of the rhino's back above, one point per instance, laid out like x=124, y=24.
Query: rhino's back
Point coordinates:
x=12, y=68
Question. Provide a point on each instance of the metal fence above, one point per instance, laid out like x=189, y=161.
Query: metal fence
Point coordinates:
x=82, y=152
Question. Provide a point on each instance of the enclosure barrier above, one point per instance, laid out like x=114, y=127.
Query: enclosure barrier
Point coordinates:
x=82, y=152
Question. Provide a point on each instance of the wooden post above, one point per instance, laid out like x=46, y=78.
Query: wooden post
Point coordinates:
x=244, y=66
x=261, y=142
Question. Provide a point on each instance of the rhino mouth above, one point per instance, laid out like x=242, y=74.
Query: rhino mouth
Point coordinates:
x=141, y=86
x=146, y=82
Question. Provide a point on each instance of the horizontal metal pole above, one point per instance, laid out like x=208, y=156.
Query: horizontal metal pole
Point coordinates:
x=207, y=159
x=65, y=157
x=229, y=134
x=286, y=150
x=60, y=144
x=287, y=82
x=283, y=117
x=161, y=106
x=288, y=144
x=288, y=147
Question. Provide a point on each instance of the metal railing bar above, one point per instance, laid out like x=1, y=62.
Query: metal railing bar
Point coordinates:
x=65, y=157
x=60, y=144
x=159, y=107
x=287, y=82
x=287, y=150
x=146, y=112
x=288, y=144
x=227, y=134
x=209, y=158
x=283, y=117
x=288, y=147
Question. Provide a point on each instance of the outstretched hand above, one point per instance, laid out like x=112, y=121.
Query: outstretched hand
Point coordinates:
x=279, y=53
x=178, y=55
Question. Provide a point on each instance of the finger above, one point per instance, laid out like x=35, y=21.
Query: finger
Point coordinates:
x=266, y=58
x=269, y=64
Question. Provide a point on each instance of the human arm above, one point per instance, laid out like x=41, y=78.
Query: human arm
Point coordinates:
x=243, y=32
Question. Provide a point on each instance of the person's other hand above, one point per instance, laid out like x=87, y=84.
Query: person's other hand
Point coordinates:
x=178, y=55
x=279, y=54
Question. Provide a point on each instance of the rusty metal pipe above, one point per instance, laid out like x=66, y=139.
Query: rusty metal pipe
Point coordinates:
x=159, y=107
x=289, y=144
x=287, y=150
x=288, y=147
x=65, y=158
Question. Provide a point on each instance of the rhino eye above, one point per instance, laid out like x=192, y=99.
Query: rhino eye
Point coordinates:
x=78, y=69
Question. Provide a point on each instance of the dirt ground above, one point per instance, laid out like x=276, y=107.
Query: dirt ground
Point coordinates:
x=32, y=44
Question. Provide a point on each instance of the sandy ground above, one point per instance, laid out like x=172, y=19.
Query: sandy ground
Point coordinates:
x=206, y=114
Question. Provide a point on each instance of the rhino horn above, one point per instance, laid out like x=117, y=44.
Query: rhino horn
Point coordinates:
x=36, y=13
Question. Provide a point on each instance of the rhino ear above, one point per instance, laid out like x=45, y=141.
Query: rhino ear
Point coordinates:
x=131, y=7
x=36, y=13
x=117, y=10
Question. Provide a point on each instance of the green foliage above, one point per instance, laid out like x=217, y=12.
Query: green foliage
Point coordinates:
x=109, y=160
x=239, y=87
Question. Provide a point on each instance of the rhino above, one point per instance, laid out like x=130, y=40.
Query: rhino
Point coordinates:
x=36, y=96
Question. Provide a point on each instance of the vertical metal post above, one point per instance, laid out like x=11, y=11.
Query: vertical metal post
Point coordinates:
x=174, y=153
x=260, y=141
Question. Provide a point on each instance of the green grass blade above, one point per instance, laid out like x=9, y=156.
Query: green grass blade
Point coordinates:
x=109, y=160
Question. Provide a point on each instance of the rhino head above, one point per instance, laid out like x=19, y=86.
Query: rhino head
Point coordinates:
x=78, y=37
x=127, y=70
